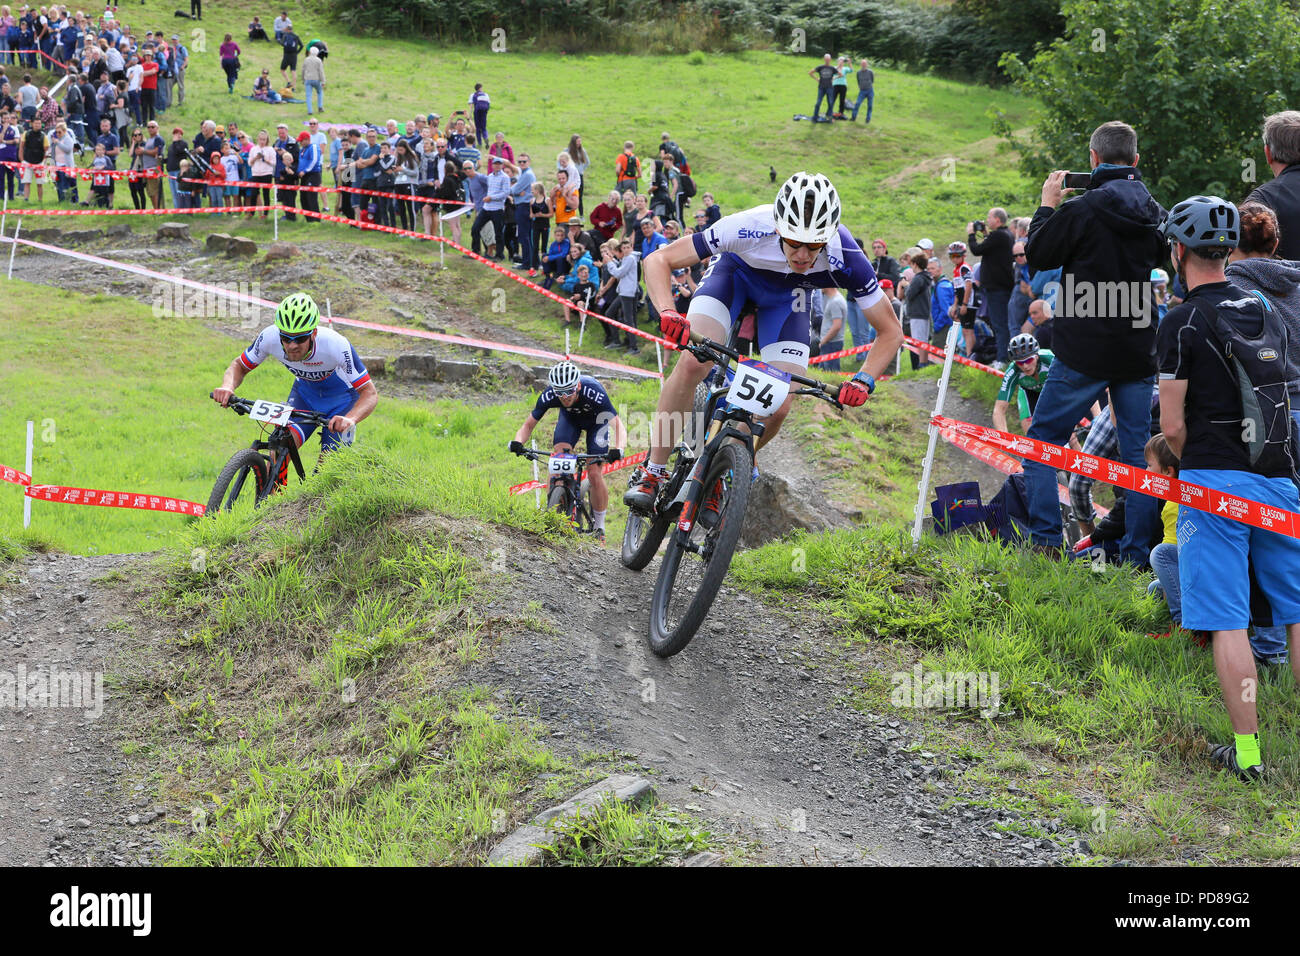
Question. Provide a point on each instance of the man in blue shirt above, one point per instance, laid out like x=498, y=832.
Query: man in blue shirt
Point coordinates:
x=309, y=170
x=650, y=240
x=182, y=57
x=365, y=157
x=286, y=168
x=492, y=208
x=521, y=194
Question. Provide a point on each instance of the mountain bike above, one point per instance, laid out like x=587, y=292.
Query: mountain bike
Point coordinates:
x=255, y=472
x=707, y=492
x=568, y=490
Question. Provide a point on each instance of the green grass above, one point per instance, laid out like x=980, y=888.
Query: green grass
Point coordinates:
x=1091, y=708
x=613, y=834
x=122, y=398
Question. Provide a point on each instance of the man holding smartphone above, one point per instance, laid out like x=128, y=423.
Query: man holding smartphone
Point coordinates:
x=1106, y=242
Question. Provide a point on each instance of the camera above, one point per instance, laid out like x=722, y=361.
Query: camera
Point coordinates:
x=981, y=227
x=1077, y=180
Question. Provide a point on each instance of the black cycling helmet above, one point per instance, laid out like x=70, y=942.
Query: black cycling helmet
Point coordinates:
x=1023, y=346
x=1204, y=223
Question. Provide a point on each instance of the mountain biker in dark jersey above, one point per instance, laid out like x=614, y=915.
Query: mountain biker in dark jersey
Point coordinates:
x=584, y=406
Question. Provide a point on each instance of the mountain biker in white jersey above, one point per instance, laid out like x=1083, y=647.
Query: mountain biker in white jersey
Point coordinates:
x=328, y=375
x=773, y=257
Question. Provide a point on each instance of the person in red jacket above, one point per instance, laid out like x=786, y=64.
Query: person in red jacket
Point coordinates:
x=148, y=86
x=607, y=218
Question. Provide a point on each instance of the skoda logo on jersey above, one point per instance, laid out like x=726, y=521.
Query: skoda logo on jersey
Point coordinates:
x=835, y=261
x=1267, y=355
x=753, y=234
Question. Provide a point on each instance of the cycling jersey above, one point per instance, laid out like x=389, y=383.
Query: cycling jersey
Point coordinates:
x=330, y=373
x=1017, y=383
x=326, y=380
x=592, y=413
x=748, y=265
x=962, y=276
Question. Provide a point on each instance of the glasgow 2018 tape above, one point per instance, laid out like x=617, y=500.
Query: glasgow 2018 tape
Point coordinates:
x=1136, y=479
x=86, y=172
x=14, y=476
x=113, y=499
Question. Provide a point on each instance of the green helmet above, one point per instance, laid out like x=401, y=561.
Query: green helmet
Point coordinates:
x=297, y=314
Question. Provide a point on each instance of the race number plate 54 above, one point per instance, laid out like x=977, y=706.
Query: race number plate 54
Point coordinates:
x=270, y=412
x=563, y=465
x=759, y=388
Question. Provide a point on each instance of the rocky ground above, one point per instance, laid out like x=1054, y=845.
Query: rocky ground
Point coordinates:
x=68, y=794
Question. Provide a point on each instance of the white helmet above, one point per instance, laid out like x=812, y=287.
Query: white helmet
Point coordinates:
x=563, y=376
x=807, y=208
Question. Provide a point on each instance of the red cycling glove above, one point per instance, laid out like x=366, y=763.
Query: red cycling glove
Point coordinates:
x=675, y=327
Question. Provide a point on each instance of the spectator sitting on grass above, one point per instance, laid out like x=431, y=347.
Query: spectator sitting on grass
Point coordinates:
x=578, y=256
x=262, y=89
x=256, y=31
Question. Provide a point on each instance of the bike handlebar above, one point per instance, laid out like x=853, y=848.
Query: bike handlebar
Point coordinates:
x=242, y=406
x=708, y=351
x=532, y=455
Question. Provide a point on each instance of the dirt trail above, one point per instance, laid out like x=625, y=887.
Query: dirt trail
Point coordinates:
x=65, y=799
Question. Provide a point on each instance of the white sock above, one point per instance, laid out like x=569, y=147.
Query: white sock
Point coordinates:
x=660, y=470
x=598, y=519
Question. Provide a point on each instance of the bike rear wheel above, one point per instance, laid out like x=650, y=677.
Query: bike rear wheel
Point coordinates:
x=240, y=483
x=688, y=581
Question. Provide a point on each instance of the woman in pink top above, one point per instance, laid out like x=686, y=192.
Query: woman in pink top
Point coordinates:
x=230, y=61
x=501, y=148
x=261, y=163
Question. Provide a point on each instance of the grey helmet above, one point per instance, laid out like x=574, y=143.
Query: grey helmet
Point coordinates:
x=1023, y=346
x=1204, y=223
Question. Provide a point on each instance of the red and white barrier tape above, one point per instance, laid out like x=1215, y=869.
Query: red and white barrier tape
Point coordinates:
x=396, y=330
x=85, y=172
x=333, y=189
x=1135, y=479
x=113, y=499
x=14, y=476
x=604, y=470
x=188, y=211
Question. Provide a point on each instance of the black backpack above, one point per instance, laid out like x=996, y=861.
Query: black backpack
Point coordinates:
x=633, y=167
x=1259, y=366
x=687, y=185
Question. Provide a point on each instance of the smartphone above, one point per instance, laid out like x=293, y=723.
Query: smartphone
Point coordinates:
x=1077, y=180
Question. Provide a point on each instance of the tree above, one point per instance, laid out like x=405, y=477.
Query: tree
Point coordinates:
x=1194, y=77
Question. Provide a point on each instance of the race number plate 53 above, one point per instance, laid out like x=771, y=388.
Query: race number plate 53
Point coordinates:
x=270, y=412
x=563, y=465
x=759, y=388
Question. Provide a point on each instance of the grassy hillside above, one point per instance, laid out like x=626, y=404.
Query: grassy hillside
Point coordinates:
x=730, y=113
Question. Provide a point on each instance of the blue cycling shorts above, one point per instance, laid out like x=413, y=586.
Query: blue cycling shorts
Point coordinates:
x=1213, y=553
x=339, y=405
x=782, y=321
x=569, y=428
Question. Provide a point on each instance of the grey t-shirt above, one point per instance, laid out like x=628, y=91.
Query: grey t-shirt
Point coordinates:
x=152, y=162
x=833, y=307
x=28, y=95
x=865, y=79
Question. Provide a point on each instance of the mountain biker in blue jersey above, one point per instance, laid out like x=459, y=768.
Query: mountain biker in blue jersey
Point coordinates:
x=774, y=257
x=584, y=406
x=329, y=377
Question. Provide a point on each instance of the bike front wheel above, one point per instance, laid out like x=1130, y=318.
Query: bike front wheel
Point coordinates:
x=695, y=563
x=240, y=483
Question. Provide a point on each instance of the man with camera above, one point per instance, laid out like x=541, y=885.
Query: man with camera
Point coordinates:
x=996, y=275
x=1106, y=242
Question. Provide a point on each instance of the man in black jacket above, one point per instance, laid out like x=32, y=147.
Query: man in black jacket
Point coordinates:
x=995, y=275
x=1282, y=194
x=1106, y=242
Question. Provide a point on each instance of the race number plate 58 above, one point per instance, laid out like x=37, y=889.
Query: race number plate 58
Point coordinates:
x=270, y=412
x=563, y=465
x=759, y=388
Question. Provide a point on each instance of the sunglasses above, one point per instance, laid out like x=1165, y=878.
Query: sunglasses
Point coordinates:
x=1027, y=361
x=567, y=392
x=810, y=246
x=295, y=339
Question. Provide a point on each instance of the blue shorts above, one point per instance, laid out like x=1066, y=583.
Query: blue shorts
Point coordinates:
x=782, y=321
x=569, y=428
x=329, y=408
x=1213, y=553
